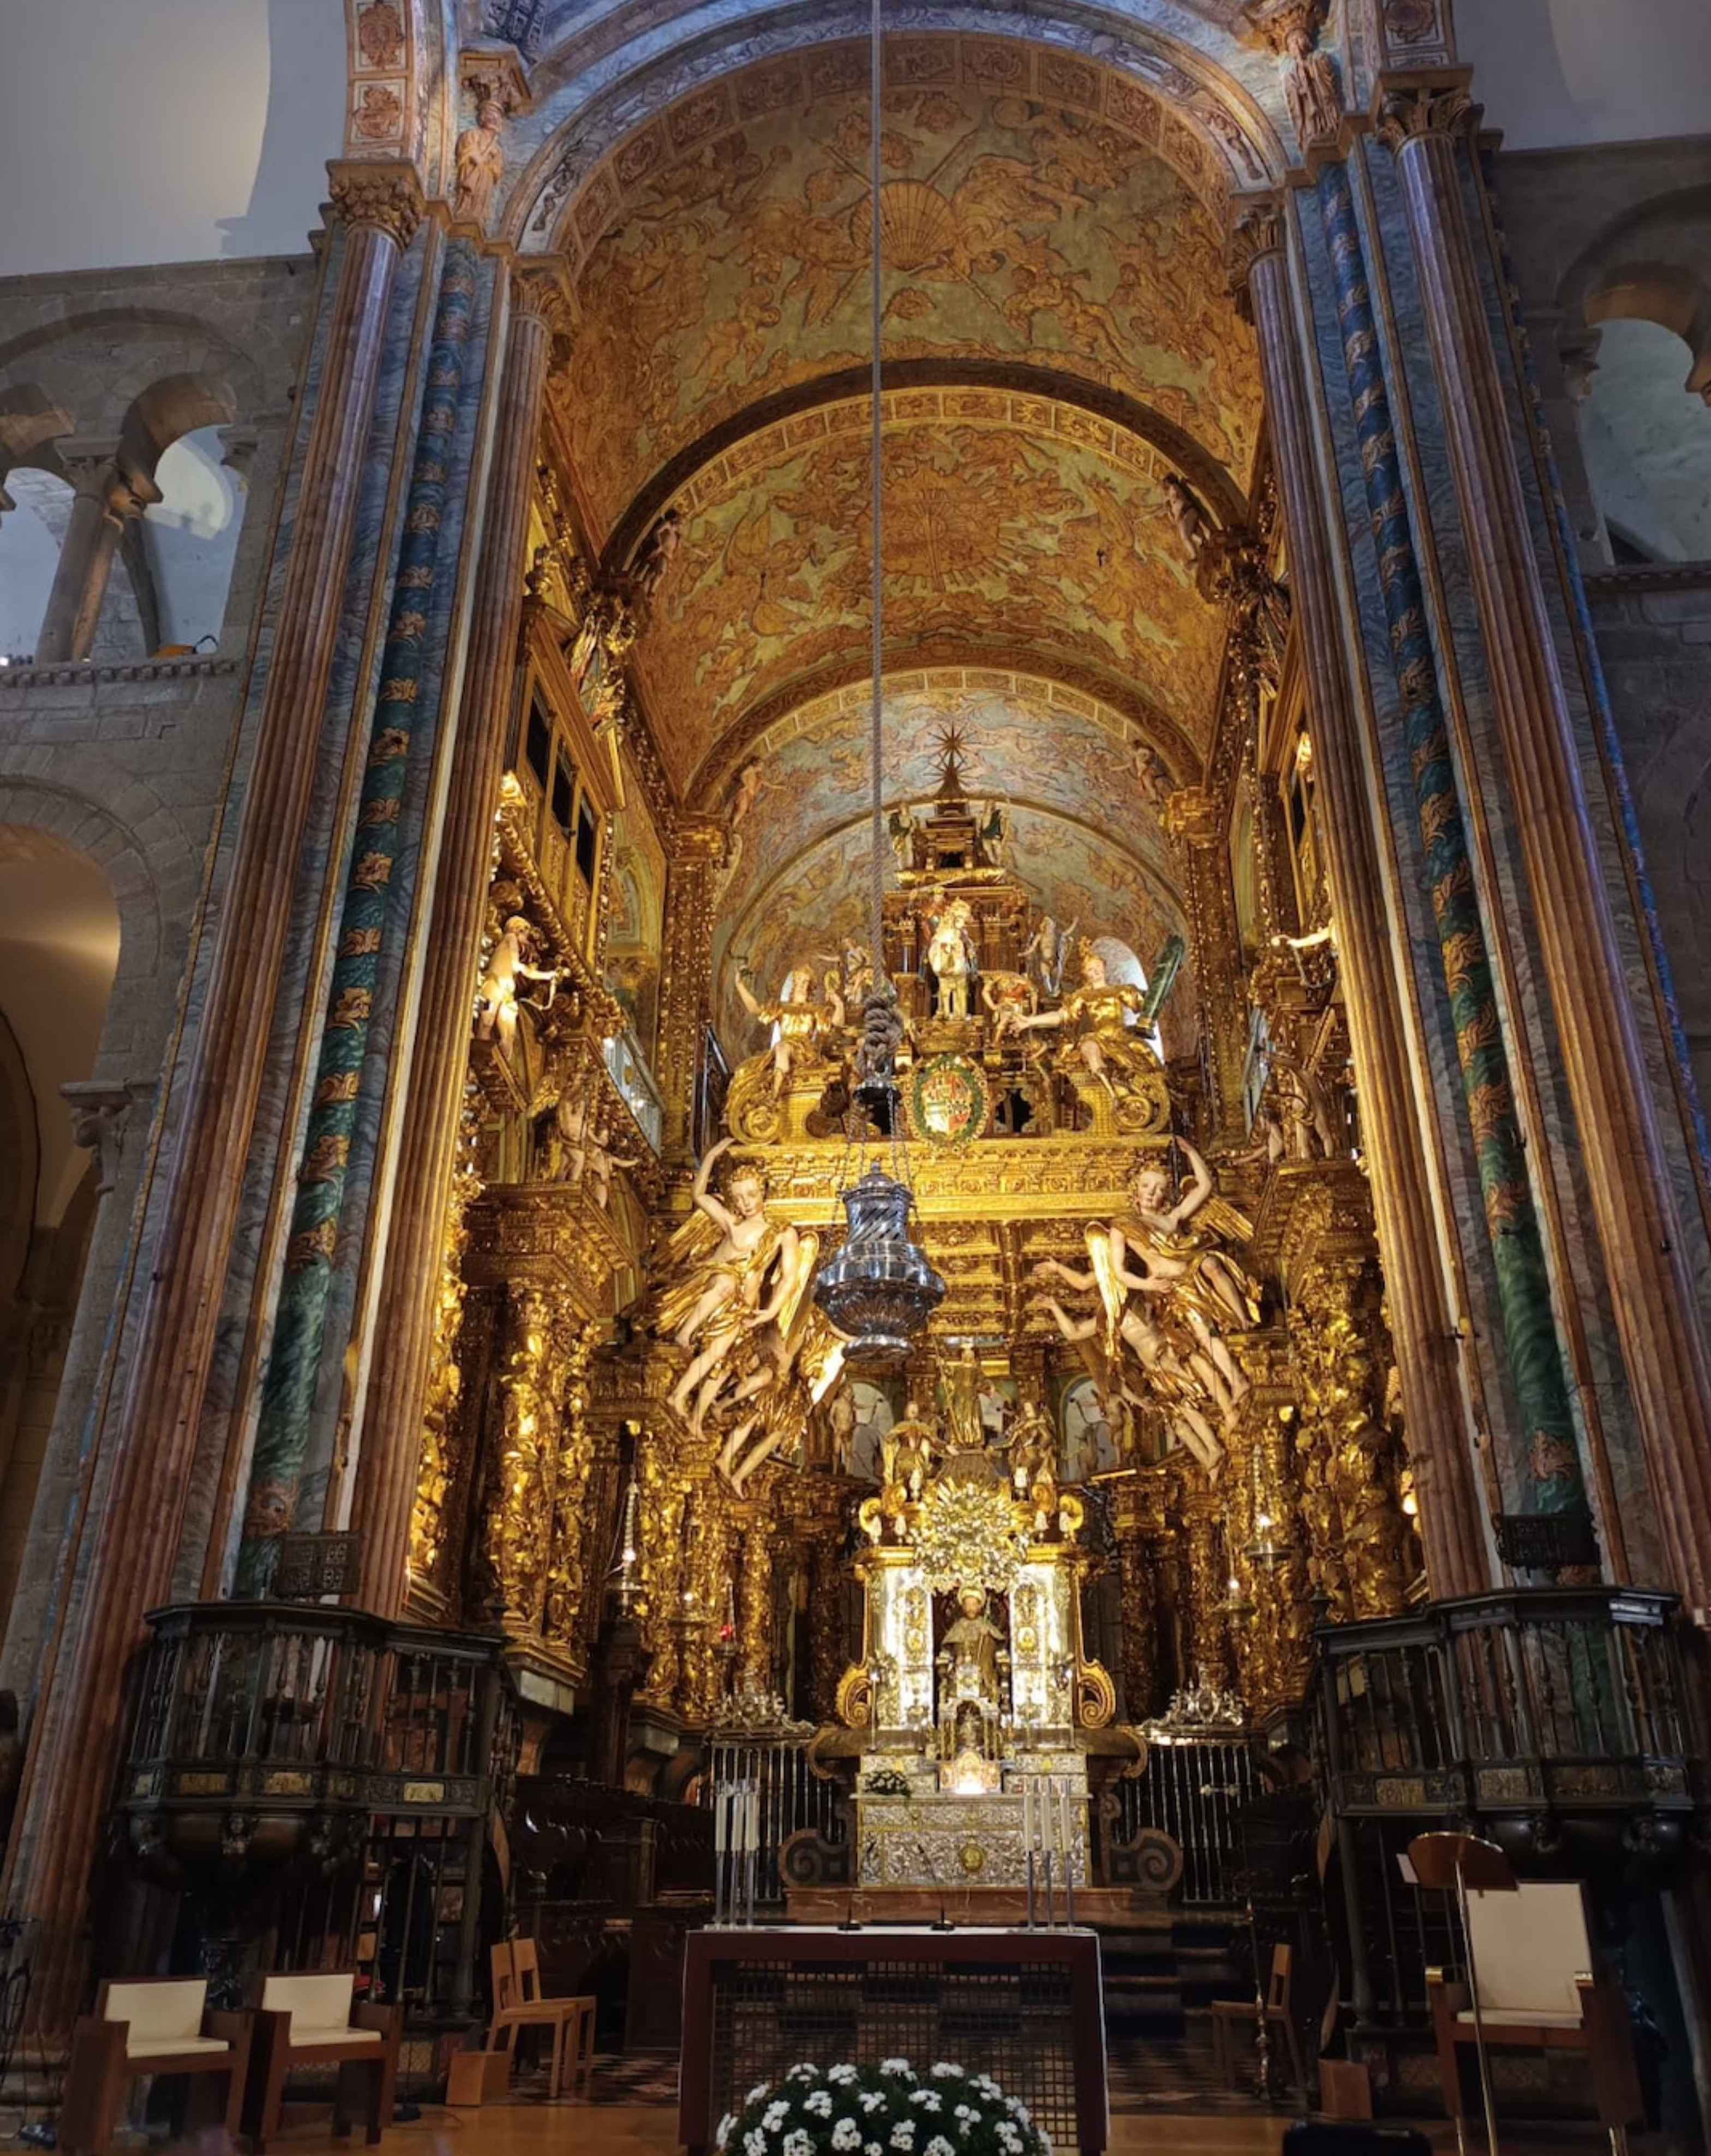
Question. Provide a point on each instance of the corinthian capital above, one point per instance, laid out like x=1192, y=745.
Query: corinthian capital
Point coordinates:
x=1413, y=112
x=387, y=197
x=1257, y=232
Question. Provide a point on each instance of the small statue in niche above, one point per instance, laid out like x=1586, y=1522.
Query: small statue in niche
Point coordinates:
x=907, y=841
x=973, y=1642
x=906, y=1452
x=1310, y=85
x=1047, y=953
x=479, y=159
x=952, y=960
x=961, y=1383
x=716, y=1266
x=1006, y=999
x=602, y=1160
x=658, y=551
x=994, y=833
x=1193, y=527
x=1304, y=1115
x=497, y=1001
x=1033, y=1462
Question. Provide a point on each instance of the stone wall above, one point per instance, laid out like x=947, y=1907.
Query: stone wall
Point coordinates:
x=131, y=763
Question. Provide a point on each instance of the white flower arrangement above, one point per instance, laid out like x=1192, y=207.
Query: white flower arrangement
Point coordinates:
x=846, y=2110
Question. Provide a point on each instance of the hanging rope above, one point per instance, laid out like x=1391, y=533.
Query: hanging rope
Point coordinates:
x=877, y=925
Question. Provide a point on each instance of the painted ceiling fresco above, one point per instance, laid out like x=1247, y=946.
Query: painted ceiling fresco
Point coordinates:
x=1030, y=741
x=820, y=900
x=1015, y=230
x=1031, y=541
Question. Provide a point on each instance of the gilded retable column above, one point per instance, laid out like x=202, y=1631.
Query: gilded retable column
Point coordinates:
x=1622, y=1146
x=409, y=1295
x=68, y=1773
x=697, y=851
x=1421, y=1320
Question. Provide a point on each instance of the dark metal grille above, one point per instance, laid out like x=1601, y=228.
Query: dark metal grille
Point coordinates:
x=1194, y=1790
x=1013, y=2021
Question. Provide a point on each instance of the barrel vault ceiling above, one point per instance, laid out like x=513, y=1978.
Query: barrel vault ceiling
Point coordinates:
x=1059, y=341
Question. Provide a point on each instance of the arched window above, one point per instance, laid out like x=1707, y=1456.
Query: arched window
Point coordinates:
x=190, y=539
x=59, y=951
x=31, y=534
x=1647, y=445
x=1123, y=966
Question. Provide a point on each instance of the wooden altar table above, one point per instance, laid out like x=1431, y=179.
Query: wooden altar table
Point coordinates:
x=1026, y=2007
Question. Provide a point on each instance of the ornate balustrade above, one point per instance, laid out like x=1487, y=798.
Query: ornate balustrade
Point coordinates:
x=1542, y=1713
x=320, y=1772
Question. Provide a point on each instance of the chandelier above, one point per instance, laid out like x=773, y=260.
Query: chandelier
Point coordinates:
x=878, y=1290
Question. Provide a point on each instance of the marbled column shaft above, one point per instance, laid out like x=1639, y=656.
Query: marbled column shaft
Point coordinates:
x=1622, y=1149
x=1531, y=1343
x=68, y=1775
x=386, y=1471
x=1421, y=1320
x=287, y=1390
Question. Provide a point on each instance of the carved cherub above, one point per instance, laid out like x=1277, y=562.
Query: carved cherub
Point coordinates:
x=496, y=998
x=1193, y=527
x=658, y=551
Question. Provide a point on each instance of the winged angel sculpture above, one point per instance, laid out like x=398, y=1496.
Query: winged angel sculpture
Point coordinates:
x=1170, y=1291
x=735, y=1299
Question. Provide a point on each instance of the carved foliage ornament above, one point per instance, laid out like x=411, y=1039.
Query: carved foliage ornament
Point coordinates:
x=387, y=197
x=1424, y=110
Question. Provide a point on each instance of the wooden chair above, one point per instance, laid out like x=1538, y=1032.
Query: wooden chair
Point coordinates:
x=1532, y=1960
x=313, y=2021
x=151, y=2025
x=518, y=2003
x=1230, y=2014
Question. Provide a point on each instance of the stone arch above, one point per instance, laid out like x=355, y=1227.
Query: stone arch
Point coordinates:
x=1225, y=101
x=153, y=879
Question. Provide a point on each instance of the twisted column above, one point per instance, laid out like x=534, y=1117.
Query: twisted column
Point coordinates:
x=1622, y=1148
x=409, y=1293
x=133, y=1543
x=685, y=972
x=105, y=498
x=1422, y=1318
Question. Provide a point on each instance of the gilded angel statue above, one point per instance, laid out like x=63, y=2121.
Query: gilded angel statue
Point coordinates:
x=797, y=1359
x=718, y=1264
x=1115, y=1053
x=1181, y=1384
x=799, y=1016
x=1179, y=1241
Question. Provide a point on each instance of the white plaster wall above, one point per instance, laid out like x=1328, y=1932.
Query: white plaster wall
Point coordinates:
x=1552, y=73
x=164, y=130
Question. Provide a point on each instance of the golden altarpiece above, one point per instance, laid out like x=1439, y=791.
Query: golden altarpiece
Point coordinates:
x=641, y=1420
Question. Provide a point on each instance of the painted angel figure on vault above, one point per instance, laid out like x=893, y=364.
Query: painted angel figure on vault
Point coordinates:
x=717, y=1263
